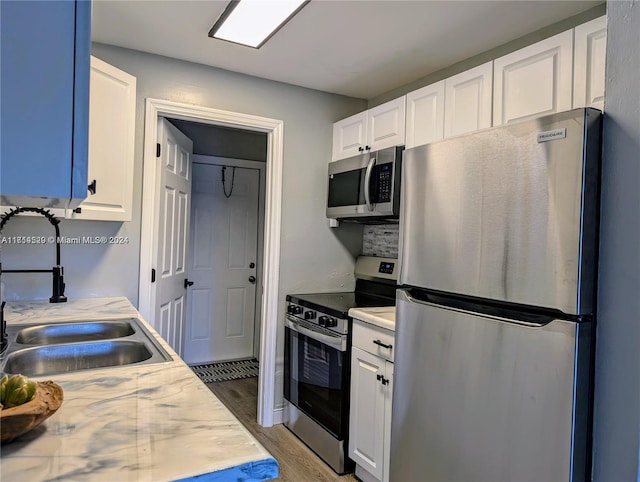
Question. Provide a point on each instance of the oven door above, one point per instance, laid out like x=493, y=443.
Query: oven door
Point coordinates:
x=316, y=378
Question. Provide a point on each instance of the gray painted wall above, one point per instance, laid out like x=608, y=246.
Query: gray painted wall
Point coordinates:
x=617, y=382
x=314, y=256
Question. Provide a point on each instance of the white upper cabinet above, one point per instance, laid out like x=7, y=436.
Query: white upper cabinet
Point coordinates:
x=534, y=81
x=385, y=124
x=589, y=64
x=468, y=101
x=377, y=128
x=425, y=115
x=112, y=115
x=349, y=136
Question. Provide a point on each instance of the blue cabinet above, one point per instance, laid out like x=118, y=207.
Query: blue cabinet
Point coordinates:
x=45, y=50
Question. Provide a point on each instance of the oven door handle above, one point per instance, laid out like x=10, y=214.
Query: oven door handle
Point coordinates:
x=337, y=342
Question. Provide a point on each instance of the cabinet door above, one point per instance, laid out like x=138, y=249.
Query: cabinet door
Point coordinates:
x=112, y=118
x=468, y=101
x=589, y=64
x=366, y=415
x=385, y=124
x=45, y=90
x=534, y=81
x=386, y=457
x=349, y=136
x=425, y=115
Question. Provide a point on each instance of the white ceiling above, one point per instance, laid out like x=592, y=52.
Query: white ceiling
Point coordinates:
x=358, y=48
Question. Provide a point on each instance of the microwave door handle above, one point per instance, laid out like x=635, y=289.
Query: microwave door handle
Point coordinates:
x=367, y=182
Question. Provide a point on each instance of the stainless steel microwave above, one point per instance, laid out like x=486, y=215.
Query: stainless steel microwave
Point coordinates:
x=366, y=188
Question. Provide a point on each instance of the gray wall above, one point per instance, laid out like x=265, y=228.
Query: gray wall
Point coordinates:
x=314, y=257
x=617, y=383
x=308, y=244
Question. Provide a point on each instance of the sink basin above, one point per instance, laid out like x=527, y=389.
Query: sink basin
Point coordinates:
x=72, y=357
x=49, y=348
x=71, y=332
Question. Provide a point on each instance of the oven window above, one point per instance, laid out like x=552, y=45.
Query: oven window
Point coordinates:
x=344, y=189
x=315, y=377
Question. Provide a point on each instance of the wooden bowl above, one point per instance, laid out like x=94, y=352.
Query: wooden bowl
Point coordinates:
x=19, y=420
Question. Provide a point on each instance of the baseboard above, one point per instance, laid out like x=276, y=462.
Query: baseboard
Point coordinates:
x=278, y=415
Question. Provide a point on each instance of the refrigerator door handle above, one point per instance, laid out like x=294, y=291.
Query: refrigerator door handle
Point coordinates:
x=530, y=324
x=367, y=182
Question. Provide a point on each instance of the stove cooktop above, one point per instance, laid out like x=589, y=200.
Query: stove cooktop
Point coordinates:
x=339, y=304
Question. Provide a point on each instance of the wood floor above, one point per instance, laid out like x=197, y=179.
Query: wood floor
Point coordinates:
x=296, y=461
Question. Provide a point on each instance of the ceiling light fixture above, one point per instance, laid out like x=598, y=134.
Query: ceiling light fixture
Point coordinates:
x=253, y=22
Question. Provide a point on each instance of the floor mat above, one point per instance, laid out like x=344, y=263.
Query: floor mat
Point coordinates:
x=223, y=371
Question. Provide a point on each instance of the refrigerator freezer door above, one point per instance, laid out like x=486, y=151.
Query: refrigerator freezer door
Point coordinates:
x=482, y=399
x=508, y=213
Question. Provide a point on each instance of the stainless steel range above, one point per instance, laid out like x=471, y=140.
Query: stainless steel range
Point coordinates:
x=317, y=353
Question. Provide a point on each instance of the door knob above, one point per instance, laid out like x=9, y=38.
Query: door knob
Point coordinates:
x=187, y=283
x=252, y=265
x=252, y=279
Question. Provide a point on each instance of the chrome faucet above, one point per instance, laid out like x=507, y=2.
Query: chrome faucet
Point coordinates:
x=58, y=277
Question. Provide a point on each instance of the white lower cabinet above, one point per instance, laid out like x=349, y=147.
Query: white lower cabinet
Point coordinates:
x=112, y=116
x=370, y=413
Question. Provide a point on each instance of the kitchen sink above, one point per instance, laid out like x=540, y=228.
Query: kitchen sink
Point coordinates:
x=71, y=357
x=49, y=348
x=70, y=332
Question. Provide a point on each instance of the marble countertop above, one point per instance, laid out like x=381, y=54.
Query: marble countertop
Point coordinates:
x=384, y=317
x=132, y=423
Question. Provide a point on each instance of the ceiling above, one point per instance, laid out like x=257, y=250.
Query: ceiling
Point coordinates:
x=358, y=48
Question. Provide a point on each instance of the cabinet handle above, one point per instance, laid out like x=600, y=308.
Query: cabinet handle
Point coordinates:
x=367, y=148
x=385, y=381
x=379, y=343
x=360, y=149
x=92, y=187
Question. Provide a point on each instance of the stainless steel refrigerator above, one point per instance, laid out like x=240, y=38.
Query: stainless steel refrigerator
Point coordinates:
x=495, y=317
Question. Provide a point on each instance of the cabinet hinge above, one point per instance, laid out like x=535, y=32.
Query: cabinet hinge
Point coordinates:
x=158, y=149
x=153, y=275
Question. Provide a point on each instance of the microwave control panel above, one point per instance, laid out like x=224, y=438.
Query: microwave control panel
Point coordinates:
x=384, y=182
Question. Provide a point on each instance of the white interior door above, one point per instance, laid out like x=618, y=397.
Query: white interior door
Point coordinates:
x=224, y=241
x=173, y=221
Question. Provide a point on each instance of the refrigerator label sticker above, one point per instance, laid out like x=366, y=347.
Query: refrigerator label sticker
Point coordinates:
x=552, y=135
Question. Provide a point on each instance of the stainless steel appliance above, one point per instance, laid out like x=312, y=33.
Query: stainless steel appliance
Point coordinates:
x=317, y=357
x=366, y=188
x=495, y=317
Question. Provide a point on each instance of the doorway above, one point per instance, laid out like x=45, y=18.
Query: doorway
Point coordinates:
x=156, y=108
x=225, y=260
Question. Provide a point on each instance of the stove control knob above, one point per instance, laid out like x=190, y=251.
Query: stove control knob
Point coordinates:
x=323, y=320
x=331, y=323
x=290, y=309
x=309, y=315
x=294, y=309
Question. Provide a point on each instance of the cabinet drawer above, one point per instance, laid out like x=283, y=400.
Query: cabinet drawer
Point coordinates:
x=373, y=339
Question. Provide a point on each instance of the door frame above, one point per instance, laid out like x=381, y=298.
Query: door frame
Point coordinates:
x=261, y=168
x=273, y=219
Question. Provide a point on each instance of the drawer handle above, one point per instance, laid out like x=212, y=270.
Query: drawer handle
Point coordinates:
x=379, y=343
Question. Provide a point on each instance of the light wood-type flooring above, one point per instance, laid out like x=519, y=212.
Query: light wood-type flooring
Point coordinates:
x=296, y=461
